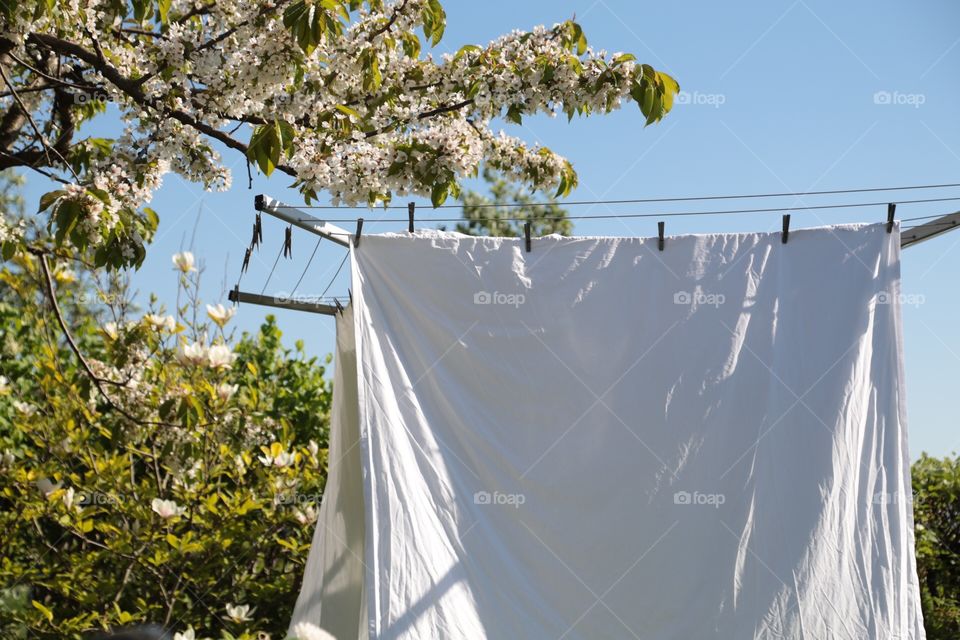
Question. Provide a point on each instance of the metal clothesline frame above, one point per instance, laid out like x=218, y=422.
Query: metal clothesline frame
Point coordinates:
x=299, y=218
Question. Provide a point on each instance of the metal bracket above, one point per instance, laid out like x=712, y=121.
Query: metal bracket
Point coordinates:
x=305, y=221
x=930, y=229
x=236, y=295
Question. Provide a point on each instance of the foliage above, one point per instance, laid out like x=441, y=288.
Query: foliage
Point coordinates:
x=175, y=482
x=508, y=208
x=337, y=94
x=936, y=487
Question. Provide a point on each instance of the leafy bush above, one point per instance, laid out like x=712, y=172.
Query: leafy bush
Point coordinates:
x=153, y=469
x=936, y=487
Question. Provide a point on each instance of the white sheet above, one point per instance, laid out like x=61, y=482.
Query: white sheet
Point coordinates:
x=601, y=440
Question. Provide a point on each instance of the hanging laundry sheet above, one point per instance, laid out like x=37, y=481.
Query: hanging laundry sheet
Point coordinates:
x=598, y=439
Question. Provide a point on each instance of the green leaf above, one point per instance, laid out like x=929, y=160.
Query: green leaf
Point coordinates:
x=49, y=198
x=466, y=49
x=347, y=110
x=514, y=114
x=163, y=9
x=48, y=614
x=439, y=193
x=438, y=21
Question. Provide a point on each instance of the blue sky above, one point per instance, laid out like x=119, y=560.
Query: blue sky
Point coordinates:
x=784, y=96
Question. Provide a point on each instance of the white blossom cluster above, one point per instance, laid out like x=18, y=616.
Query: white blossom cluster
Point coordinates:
x=358, y=111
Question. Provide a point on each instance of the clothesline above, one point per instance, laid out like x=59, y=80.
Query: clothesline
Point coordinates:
x=574, y=203
x=672, y=214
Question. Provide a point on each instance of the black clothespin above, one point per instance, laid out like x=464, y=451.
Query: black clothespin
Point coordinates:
x=891, y=210
x=411, y=207
x=288, y=242
x=660, y=241
x=258, y=229
x=246, y=261
x=526, y=235
x=339, y=306
x=356, y=236
x=350, y=295
x=786, y=228
x=253, y=242
x=234, y=296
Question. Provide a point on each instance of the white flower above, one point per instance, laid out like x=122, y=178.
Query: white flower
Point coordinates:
x=68, y=496
x=183, y=261
x=7, y=458
x=239, y=612
x=309, y=631
x=186, y=635
x=110, y=329
x=194, y=353
x=4, y=385
x=47, y=486
x=220, y=314
x=220, y=356
x=225, y=391
x=313, y=448
x=306, y=516
x=159, y=322
x=167, y=509
x=275, y=456
x=25, y=408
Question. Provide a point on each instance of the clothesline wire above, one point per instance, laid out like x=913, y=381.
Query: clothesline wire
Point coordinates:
x=672, y=214
x=272, y=269
x=315, y=247
x=329, y=284
x=785, y=194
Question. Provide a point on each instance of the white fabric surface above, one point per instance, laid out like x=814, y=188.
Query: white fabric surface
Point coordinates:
x=704, y=442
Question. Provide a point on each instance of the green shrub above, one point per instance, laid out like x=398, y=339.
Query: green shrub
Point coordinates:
x=171, y=476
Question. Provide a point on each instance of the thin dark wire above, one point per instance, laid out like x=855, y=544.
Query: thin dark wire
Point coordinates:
x=665, y=215
x=939, y=215
x=329, y=284
x=795, y=194
x=262, y=291
x=315, y=247
x=930, y=224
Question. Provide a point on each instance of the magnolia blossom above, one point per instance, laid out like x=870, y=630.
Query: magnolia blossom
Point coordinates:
x=239, y=612
x=184, y=261
x=167, y=509
x=313, y=448
x=309, y=631
x=219, y=314
x=111, y=330
x=4, y=385
x=25, y=408
x=194, y=353
x=306, y=516
x=158, y=322
x=220, y=356
x=47, y=486
x=225, y=391
x=277, y=457
x=68, y=498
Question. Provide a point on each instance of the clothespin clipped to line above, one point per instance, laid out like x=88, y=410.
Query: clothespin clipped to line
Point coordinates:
x=411, y=207
x=526, y=235
x=786, y=228
x=356, y=236
x=246, y=262
x=660, y=240
x=253, y=242
x=338, y=306
x=891, y=210
x=258, y=228
x=288, y=242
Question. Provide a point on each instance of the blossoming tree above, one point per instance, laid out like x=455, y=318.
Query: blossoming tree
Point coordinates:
x=337, y=94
